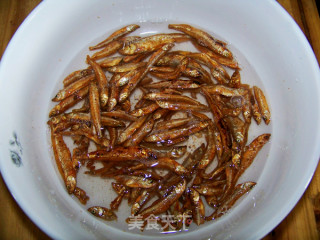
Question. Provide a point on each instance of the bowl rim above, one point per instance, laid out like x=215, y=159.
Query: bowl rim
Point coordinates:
x=272, y=222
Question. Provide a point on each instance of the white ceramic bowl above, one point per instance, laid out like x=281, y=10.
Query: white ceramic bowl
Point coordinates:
x=53, y=41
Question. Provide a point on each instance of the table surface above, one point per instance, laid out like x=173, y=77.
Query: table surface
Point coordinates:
x=303, y=222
